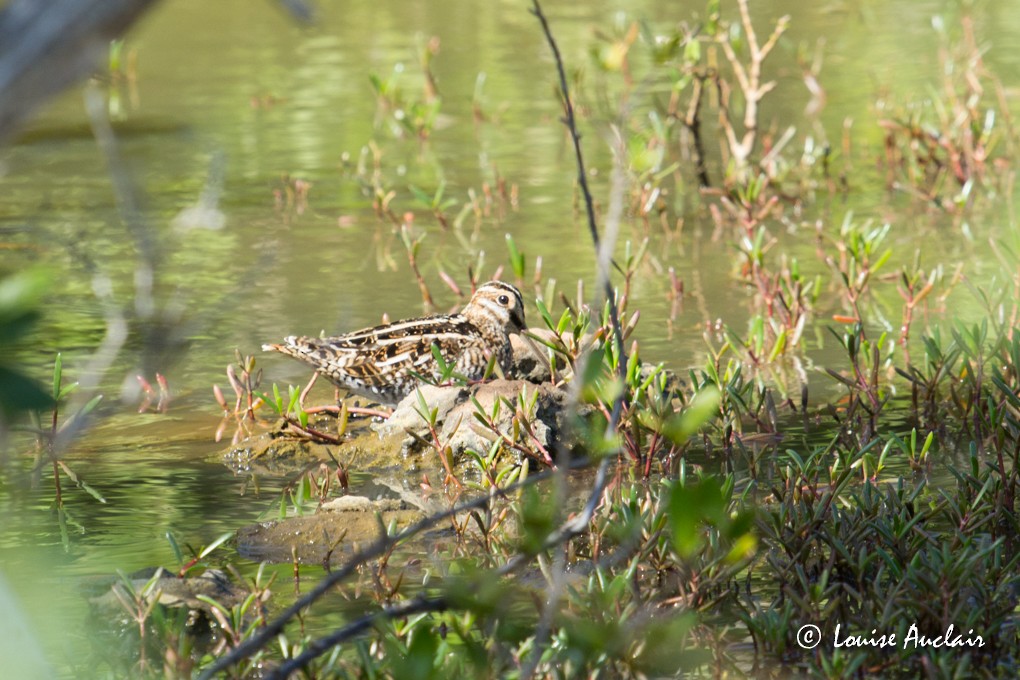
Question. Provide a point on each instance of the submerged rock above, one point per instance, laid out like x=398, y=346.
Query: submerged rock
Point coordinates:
x=335, y=530
x=170, y=590
x=274, y=451
x=527, y=364
x=397, y=452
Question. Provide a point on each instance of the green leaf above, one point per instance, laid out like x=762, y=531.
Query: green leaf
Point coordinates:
x=667, y=648
x=422, y=197
x=57, y=370
x=593, y=368
x=178, y=554
x=692, y=51
x=66, y=391
x=345, y=414
x=445, y=367
x=516, y=257
x=21, y=294
x=565, y=320
x=779, y=347
x=294, y=394
x=215, y=604
x=689, y=507
x=11, y=330
x=266, y=399
x=544, y=313
x=81, y=484
x=89, y=406
x=419, y=663
x=20, y=393
x=702, y=408
x=537, y=519
x=215, y=544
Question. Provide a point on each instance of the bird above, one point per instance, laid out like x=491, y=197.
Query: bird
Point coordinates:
x=383, y=363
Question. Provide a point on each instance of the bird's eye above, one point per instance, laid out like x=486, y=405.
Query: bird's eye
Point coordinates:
x=503, y=300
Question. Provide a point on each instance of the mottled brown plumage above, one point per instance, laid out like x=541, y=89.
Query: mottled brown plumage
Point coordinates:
x=381, y=362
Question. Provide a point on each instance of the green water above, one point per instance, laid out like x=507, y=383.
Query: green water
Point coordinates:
x=238, y=80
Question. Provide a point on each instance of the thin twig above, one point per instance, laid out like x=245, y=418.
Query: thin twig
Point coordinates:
x=317, y=648
x=693, y=123
x=570, y=121
x=749, y=80
x=603, y=253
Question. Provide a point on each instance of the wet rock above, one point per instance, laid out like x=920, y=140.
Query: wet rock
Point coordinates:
x=406, y=416
x=457, y=425
x=272, y=452
x=462, y=431
x=335, y=530
x=527, y=364
x=280, y=452
x=340, y=525
x=171, y=591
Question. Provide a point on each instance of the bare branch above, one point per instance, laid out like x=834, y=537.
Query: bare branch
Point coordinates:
x=317, y=648
x=379, y=548
x=571, y=122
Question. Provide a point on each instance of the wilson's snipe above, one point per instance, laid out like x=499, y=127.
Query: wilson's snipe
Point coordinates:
x=380, y=363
